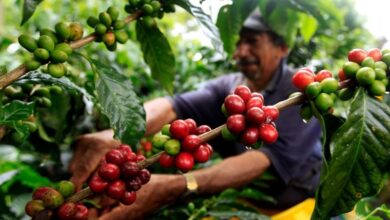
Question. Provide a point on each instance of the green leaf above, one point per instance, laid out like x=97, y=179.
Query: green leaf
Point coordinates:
x=29, y=9
x=16, y=110
x=157, y=54
x=230, y=19
x=120, y=104
x=239, y=214
x=308, y=27
x=205, y=22
x=360, y=157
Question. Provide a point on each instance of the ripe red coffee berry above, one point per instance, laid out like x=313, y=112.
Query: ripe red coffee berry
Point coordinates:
x=166, y=160
x=250, y=136
x=116, y=189
x=302, y=78
x=129, y=169
x=140, y=158
x=184, y=161
x=257, y=94
x=133, y=184
x=357, y=55
x=271, y=113
x=323, y=74
x=202, y=129
x=144, y=176
x=129, y=198
x=236, y=123
x=127, y=152
x=268, y=133
x=244, y=92
x=179, y=129
x=81, y=213
x=66, y=211
x=97, y=184
x=234, y=104
x=342, y=75
x=109, y=172
x=254, y=102
x=115, y=156
x=191, y=125
x=208, y=146
x=39, y=192
x=190, y=142
x=375, y=54
x=255, y=116
x=202, y=154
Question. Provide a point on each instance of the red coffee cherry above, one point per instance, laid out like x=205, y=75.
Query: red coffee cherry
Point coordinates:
x=202, y=129
x=234, y=104
x=357, y=55
x=166, y=160
x=129, y=169
x=52, y=199
x=375, y=54
x=144, y=176
x=254, y=102
x=39, y=192
x=236, y=123
x=271, y=113
x=257, y=94
x=81, y=213
x=208, y=146
x=244, y=92
x=302, y=78
x=116, y=189
x=140, y=158
x=115, y=156
x=250, y=136
x=268, y=133
x=109, y=172
x=190, y=142
x=202, y=154
x=342, y=75
x=179, y=129
x=129, y=198
x=191, y=125
x=184, y=161
x=66, y=211
x=323, y=74
x=97, y=184
x=133, y=184
x=127, y=152
x=255, y=116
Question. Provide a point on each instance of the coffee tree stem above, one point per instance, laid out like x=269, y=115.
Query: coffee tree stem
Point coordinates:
x=19, y=71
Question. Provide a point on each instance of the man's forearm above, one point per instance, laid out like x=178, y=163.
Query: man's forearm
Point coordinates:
x=232, y=172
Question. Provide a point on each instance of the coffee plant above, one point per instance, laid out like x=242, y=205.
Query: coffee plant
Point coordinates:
x=43, y=98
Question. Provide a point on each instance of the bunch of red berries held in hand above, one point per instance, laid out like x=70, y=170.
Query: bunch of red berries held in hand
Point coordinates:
x=182, y=145
x=119, y=175
x=249, y=121
x=49, y=203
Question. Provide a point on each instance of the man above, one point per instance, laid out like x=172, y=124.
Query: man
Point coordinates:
x=294, y=159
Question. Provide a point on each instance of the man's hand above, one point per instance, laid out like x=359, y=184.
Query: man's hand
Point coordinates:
x=89, y=149
x=160, y=190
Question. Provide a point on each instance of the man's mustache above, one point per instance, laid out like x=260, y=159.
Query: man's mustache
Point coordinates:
x=242, y=62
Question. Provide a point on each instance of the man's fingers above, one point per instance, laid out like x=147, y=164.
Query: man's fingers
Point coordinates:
x=93, y=214
x=78, y=180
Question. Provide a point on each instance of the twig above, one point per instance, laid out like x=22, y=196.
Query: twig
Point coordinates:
x=82, y=194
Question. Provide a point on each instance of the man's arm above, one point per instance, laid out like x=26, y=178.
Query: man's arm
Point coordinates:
x=163, y=189
x=158, y=113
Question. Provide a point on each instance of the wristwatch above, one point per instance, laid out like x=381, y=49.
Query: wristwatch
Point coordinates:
x=191, y=184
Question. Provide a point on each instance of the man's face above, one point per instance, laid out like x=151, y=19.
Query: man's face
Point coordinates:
x=257, y=57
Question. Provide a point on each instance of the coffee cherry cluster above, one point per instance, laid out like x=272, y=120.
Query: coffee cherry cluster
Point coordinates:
x=249, y=121
x=52, y=47
x=119, y=176
x=108, y=28
x=320, y=88
x=50, y=202
x=369, y=69
x=149, y=9
x=182, y=145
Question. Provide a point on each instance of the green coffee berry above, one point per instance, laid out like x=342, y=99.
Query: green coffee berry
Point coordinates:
x=100, y=29
x=377, y=88
x=109, y=38
x=50, y=33
x=28, y=42
x=121, y=37
x=42, y=55
x=56, y=69
x=119, y=24
x=105, y=19
x=76, y=31
x=33, y=65
x=113, y=12
x=64, y=47
x=62, y=31
x=58, y=56
x=92, y=21
x=329, y=85
x=46, y=42
x=346, y=93
x=147, y=9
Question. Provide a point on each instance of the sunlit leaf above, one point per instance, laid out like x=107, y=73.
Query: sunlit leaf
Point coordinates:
x=29, y=7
